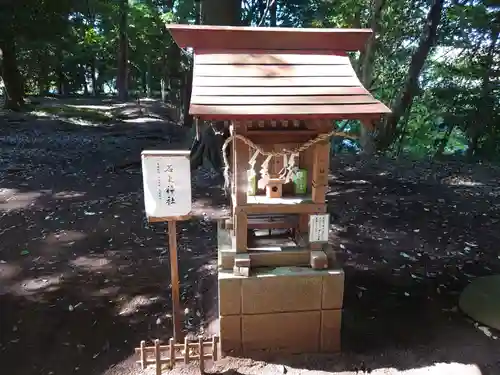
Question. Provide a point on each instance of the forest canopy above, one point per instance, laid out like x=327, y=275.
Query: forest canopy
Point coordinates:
x=435, y=63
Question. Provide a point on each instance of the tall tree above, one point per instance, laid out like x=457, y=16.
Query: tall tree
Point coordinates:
x=404, y=100
x=366, y=69
x=122, y=76
x=222, y=12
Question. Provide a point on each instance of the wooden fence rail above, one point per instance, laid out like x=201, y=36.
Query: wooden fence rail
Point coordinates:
x=172, y=353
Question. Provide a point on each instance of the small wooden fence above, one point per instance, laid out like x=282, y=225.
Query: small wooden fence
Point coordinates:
x=172, y=353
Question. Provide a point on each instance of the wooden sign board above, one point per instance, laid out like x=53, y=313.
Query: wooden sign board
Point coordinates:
x=167, y=184
x=319, y=228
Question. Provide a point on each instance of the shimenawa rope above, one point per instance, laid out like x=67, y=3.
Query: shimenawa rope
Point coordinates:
x=269, y=154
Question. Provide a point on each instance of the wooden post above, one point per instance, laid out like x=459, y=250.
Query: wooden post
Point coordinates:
x=143, y=354
x=186, y=350
x=174, y=277
x=202, y=354
x=158, y=357
x=215, y=354
x=171, y=347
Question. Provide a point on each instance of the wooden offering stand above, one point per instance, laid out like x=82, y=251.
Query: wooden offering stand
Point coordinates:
x=279, y=91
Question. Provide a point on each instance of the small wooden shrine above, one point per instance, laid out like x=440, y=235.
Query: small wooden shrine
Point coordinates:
x=279, y=90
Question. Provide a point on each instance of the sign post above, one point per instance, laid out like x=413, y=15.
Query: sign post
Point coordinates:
x=167, y=197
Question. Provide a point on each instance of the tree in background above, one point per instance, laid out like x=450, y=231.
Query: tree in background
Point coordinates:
x=435, y=62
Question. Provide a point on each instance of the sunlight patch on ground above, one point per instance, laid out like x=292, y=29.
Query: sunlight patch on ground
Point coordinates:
x=246, y=366
x=8, y=271
x=142, y=120
x=436, y=369
x=13, y=199
x=64, y=237
x=92, y=263
x=346, y=191
x=35, y=285
x=68, y=194
x=92, y=107
x=203, y=208
x=460, y=181
x=106, y=292
x=129, y=306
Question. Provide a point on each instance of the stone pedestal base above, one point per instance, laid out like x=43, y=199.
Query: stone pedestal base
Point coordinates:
x=285, y=309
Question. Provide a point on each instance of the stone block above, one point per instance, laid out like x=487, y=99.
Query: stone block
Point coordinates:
x=229, y=295
x=331, y=328
x=230, y=334
x=318, y=260
x=281, y=293
x=293, y=332
x=333, y=289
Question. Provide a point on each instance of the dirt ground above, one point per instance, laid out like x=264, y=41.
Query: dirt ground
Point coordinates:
x=84, y=278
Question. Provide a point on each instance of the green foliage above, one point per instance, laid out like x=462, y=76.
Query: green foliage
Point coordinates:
x=72, y=46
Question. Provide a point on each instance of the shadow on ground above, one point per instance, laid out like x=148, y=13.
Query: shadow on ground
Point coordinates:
x=83, y=277
x=409, y=242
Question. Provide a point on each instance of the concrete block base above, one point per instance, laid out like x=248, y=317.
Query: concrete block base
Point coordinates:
x=285, y=309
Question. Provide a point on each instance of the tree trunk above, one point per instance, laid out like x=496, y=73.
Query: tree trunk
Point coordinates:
x=222, y=12
x=122, y=77
x=444, y=141
x=42, y=73
x=164, y=64
x=188, y=82
x=61, y=82
x=95, y=89
x=368, y=55
x=163, y=88
x=10, y=73
x=486, y=101
x=405, y=97
x=149, y=79
x=366, y=62
x=84, y=81
x=262, y=12
x=273, y=13
x=403, y=130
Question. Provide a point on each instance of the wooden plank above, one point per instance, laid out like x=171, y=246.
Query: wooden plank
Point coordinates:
x=280, y=222
x=321, y=165
x=286, y=258
x=275, y=137
x=283, y=70
x=276, y=81
x=270, y=57
x=241, y=231
x=303, y=133
x=226, y=37
x=269, y=100
x=240, y=165
x=274, y=91
x=174, y=279
x=244, y=111
x=150, y=350
x=284, y=208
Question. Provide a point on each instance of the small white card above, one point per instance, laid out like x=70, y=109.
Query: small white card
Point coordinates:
x=167, y=183
x=319, y=227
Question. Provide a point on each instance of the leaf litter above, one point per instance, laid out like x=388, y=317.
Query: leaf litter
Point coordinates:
x=402, y=233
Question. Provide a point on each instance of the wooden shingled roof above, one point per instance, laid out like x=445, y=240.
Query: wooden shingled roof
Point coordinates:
x=249, y=73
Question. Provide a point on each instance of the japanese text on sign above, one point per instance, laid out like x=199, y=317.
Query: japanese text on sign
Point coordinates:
x=319, y=226
x=167, y=183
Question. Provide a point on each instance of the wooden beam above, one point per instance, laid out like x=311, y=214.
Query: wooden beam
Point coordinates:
x=310, y=208
x=299, y=257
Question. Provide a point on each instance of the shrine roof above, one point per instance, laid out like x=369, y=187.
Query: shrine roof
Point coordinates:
x=276, y=73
